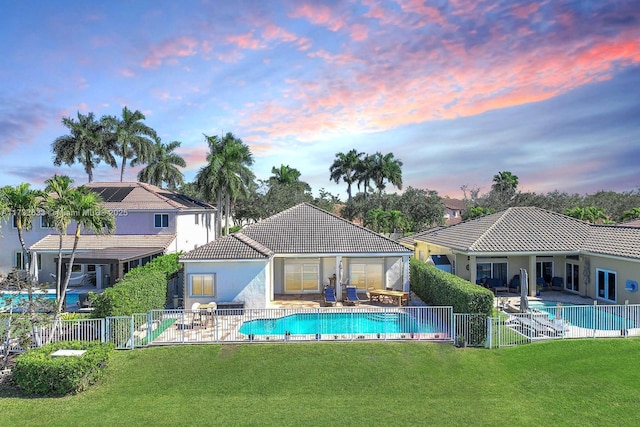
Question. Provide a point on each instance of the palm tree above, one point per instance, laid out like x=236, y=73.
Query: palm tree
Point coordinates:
x=23, y=204
x=162, y=166
x=131, y=137
x=88, y=144
x=365, y=172
x=345, y=167
x=386, y=168
x=505, y=185
x=227, y=174
x=284, y=175
x=85, y=209
x=59, y=193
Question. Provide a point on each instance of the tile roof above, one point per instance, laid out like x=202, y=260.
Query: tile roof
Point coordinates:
x=307, y=229
x=302, y=229
x=233, y=246
x=454, y=204
x=614, y=240
x=92, y=241
x=142, y=196
x=530, y=230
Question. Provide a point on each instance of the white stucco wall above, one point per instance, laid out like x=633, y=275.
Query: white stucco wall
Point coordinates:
x=236, y=281
x=190, y=235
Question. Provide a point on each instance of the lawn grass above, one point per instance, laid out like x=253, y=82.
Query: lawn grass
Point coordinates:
x=570, y=382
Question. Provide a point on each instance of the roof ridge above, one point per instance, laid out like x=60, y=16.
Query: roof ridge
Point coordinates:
x=147, y=187
x=253, y=244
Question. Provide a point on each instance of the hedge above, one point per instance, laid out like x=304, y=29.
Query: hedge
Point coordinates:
x=36, y=372
x=437, y=287
x=141, y=290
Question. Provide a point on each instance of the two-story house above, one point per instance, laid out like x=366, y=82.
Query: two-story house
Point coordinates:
x=150, y=221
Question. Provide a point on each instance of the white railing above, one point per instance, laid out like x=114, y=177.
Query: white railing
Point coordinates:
x=348, y=324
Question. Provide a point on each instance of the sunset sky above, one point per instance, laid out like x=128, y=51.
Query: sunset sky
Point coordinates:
x=458, y=90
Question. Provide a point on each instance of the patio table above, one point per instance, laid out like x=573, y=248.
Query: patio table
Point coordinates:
x=396, y=297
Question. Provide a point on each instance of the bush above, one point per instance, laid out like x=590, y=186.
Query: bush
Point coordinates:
x=36, y=372
x=437, y=287
x=141, y=290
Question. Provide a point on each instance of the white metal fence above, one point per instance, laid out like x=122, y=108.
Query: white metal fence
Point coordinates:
x=349, y=324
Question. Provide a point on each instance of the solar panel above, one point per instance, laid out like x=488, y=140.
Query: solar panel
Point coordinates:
x=112, y=194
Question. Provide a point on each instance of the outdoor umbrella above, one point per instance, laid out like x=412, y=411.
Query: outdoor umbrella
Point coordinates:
x=524, y=290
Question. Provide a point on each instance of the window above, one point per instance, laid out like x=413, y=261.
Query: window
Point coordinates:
x=365, y=276
x=202, y=285
x=300, y=277
x=572, y=276
x=46, y=221
x=497, y=270
x=606, y=284
x=161, y=220
x=14, y=221
x=544, y=269
x=19, y=264
x=197, y=219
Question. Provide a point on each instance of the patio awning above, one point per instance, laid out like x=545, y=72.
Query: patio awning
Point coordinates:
x=112, y=255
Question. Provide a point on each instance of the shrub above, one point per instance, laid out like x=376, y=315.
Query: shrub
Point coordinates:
x=141, y=290
x=36, y=372
x=437, y=287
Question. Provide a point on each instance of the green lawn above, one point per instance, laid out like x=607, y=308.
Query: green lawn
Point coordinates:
x=572, y=382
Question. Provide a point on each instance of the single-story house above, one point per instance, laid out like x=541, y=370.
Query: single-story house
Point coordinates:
x=298, y=251
x=598, y=261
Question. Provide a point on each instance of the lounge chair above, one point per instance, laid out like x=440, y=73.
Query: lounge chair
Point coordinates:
x=557, y=283
x=352, y=296
x=330, y=296
x=74, y=280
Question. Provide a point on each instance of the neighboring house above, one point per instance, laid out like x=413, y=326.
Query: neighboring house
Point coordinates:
x=298, y=251
x=598, y=261
x=453, y=210
x=150, y=221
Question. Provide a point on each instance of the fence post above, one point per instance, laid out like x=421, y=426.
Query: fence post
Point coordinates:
x=595, y=308
x=132, y=332
x=489, y=330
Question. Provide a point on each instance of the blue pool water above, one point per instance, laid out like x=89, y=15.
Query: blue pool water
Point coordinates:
x=336, y=323
x=72, y=298
x=602, y=317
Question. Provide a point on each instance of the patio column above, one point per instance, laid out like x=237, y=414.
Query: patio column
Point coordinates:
x=532, y=275
x=340, y=275
x=471, y=266
x=405, y=274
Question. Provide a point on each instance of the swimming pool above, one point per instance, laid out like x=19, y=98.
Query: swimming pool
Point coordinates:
x=337, y=323
x=602, y=317
x=71, y=299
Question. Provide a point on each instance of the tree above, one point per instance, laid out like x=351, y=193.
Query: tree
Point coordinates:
x=504, y=188
x=475, y=212
x=285, y=175
x=131, y=137
x=88, y=144
x=227, y=175
x=84, y=207
x=422, y=208
x=589, y=214
x=386, y=168
x=162, y=165
x=631, y=214
x=22, y=204
x=345, y=167
x=365, y=172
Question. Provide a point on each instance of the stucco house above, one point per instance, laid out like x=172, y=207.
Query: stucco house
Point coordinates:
x=598, y=261
x=453, y=210
x=150, y=221
x=297, y=251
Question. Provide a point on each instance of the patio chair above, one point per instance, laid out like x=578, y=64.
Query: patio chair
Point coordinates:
x=330, y=296
x=352, y=296
x=196, y=315
x=515, y=284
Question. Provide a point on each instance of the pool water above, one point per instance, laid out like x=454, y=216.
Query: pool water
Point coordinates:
x=602, y=317
x=336, y=323
x=71, y=299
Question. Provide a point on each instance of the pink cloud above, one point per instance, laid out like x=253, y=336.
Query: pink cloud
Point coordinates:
x=318, y=15
x=169, y=50
x=244, y=41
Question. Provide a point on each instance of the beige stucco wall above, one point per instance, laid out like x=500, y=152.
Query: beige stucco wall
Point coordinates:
x=624, y=269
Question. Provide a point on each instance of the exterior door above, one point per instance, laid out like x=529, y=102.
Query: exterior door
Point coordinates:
x=301, y=277
x=572, y=282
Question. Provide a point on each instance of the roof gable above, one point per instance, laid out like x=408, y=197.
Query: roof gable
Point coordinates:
x=233, y=246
